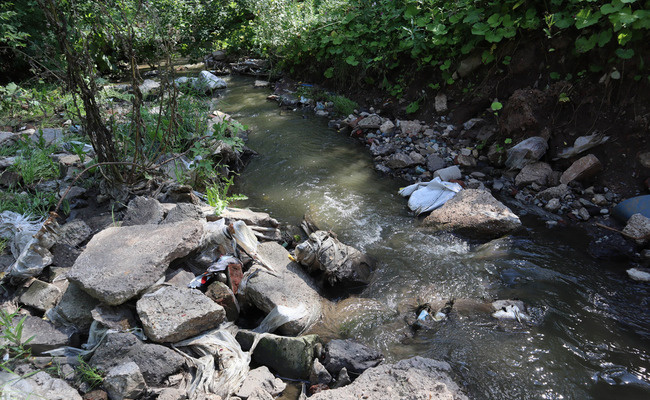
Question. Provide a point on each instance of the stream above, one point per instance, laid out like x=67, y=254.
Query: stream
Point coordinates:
x=591, y=339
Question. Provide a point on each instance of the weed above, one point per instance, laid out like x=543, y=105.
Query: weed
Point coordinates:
x=3, y=245
x=88, y=374
x=217, y=195
x=36, y=203
x=13, y=348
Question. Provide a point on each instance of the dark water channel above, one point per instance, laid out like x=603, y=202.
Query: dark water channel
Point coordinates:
x=592, y=336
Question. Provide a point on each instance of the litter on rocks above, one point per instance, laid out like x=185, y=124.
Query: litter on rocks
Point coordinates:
x=224, y=263
x=30, y=241
x=427, y=196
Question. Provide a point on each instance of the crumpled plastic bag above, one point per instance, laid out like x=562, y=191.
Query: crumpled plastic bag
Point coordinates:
x=427, y=196
x=279, y=316
x=30, y=241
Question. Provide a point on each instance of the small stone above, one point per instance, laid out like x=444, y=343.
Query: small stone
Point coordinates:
x=639, y=274
x=434, y=162
x=449, y=173
x=221, y=294
x=399, y=160
x=638, y=226
x=319, y=375
x=599, y=200
x=440, y=103
x=41, y=295
x=582, y=169
x=584, y=214
x=387, y=127
x=343, y=379
x=124, y=381
x=553, y=205
x=261, y=378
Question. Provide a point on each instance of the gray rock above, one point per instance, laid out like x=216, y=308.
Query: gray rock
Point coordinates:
x=435, y=163
x=183, y=212
x=600, y=200
x=417, y=157
x=149, y=87
x=74, y=233
x=638, y=226
x=353, y=356
x=171, y=314
x=526, y=152
x=74, y=309
x=156, y=362
x=644, y=159
x=221, y=294
x=143, y=210
x=440, y=103
x=41, y=295
x=120, y=318
x=45, y=336
x=399, y=160
x=639, y=274
x=260, y=394
x=261, y=84
x=250, y=217
x=538, y=173
x=292, y=287
x=290, y=357
x=172, y=394
x=180, y=278
x=142, y=253
x=582, y=169
x=342, y=380
x=468, y=65
x=372, y=121
x=410, y=127
x=553, y=205
x=319, y=374
x=583, y=214
x=38, y=386
x=556, y=192
x=208, y=82
x=466, y=160
x=474, y=213
x=261, y=378
x=381, y=149
x=414, y=378
x=124, y=381
x=387, y=127
x=449, y=173
x=8, y=138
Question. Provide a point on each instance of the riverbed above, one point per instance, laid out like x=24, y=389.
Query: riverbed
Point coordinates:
x=590, y=336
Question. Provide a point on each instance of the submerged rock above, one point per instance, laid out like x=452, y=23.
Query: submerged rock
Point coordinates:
x=474, y=213
x=353, y=356
x=414, y=378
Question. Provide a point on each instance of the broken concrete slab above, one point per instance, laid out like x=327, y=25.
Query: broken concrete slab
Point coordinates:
x=119, y=263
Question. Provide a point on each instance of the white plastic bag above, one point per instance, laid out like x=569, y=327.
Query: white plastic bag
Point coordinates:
x=428, y=196
x=279, y=316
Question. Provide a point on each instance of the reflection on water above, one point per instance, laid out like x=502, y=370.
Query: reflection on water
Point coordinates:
x=592, y=339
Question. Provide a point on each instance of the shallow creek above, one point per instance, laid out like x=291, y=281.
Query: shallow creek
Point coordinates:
x=591, y=339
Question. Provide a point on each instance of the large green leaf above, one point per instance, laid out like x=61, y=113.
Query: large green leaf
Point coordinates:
x=586, y=17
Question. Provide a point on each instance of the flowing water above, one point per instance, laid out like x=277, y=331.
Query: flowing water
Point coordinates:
x=591, y=336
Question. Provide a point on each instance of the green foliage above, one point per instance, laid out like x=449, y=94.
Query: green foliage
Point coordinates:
x=351, y=41
x=31, y=203
x=40, y=102
x=217, y=195
x=33, y=162
x=13, y=348
x=88, y=374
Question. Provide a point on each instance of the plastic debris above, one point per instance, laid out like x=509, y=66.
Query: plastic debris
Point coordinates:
x=427, y=196
x=339, y=262
x=279, y=316
x=583, y=143
x=30, y=241
x=510, y=309
x=221, y=265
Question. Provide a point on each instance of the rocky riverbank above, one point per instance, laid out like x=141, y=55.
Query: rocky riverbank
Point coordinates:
x=561, y=186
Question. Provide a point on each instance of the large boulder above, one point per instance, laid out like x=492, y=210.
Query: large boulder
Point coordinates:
x=288, y=286
x=41, y=295
x=119, y=263
x=414, y=378
x=38, y=386
x=291, y=357
x=582, y=169
x=354, y=357
x=208, y=82
x=171, y=313
x=156, y=362
x=474, y=213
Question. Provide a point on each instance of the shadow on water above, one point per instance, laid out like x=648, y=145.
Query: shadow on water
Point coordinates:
x=592, y=336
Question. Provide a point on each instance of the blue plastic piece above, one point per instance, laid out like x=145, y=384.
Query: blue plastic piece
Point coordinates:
x=635, y=205
x=423, y=315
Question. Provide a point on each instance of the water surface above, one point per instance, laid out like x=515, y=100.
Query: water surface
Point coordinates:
x=592, y=331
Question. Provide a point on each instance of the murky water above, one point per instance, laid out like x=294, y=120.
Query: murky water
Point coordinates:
x=592, y=336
